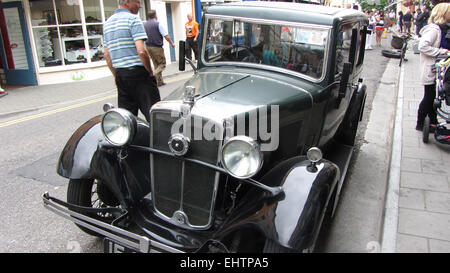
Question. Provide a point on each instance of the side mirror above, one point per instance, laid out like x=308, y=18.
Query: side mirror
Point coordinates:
x=181, y=57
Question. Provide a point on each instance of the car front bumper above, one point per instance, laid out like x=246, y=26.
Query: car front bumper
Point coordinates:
x=121, y=236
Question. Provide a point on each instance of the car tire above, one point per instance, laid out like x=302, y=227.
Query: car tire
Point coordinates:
x=391, y=54
x=273, y=247
x=80, y=192
x=426, y=130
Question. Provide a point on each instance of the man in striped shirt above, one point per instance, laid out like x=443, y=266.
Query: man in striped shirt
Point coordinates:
x=128, y=60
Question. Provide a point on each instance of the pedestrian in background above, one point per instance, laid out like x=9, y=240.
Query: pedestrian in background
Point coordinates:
x=379, y=28
x=426, y=16
x=407, y=20
x=400, y=21
x=419, y=21
x=371, y=29
x=392, y=20
x=432, y=44
x=154, y=44
x=191, y=37
x=128, y=60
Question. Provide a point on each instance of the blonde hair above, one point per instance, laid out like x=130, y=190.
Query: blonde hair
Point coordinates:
x=440, y=14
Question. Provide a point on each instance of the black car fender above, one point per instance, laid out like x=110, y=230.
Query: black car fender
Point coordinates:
x=292, y=218
x=307, y=189
x=88, y=155
x=75, y=159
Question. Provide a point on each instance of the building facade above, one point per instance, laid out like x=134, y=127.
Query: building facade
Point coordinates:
x=53, y=41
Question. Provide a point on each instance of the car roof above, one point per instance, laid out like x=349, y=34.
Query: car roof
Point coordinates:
x=283, y=11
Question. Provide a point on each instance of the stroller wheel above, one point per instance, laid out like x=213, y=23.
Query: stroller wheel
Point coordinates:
x=426, y=130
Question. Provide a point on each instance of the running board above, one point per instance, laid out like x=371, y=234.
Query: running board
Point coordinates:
x=119, y=235
x=340, y=155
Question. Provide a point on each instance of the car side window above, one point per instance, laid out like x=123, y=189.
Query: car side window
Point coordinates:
x=347, y=33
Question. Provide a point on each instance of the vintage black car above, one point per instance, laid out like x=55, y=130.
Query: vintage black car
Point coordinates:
x=249, y=155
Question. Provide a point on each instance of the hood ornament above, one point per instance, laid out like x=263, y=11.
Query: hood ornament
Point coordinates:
x=189, y=95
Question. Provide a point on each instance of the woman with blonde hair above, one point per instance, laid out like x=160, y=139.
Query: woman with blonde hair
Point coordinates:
x=433, y=42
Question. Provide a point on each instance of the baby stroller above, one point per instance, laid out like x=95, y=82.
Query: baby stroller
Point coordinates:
x=441, y=103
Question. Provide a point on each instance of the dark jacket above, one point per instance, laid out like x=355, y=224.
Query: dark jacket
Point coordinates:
x=155, y=39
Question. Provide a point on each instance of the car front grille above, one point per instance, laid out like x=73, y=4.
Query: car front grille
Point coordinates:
x=180, y=186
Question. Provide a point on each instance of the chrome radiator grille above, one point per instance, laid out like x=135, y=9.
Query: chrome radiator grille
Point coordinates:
x=182, y=192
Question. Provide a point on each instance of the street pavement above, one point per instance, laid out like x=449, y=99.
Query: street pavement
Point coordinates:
x=26, y=99
x=416, y=217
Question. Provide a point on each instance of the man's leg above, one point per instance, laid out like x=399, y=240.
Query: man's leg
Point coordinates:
x=147, y=94
x=159, y=63
x=124, y=97
x=188, y=49
x=195, y=49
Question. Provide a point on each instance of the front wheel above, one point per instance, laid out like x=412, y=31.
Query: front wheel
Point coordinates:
x=86, y=193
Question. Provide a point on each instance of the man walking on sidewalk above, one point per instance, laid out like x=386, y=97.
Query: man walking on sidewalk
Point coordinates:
x=154, y=44
x=191, y=37
x=407, y=20
x=128, y=60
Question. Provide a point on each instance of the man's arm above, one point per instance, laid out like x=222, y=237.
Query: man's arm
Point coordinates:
x=143, y=55
x=167, y=37
x=108, y=61
x=196, y=32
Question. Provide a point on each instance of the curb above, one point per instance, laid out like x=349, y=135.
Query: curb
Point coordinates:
x=390, y=221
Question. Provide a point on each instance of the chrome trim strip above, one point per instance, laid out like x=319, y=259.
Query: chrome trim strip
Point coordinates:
x=134, y=241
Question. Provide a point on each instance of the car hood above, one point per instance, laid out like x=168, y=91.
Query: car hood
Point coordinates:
x=224, y=93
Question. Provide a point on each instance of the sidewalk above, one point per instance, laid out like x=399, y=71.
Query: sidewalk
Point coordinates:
x=423, y=189
x=31, y=98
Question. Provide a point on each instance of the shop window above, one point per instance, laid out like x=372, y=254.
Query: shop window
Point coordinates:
x=42, y=13
x=68, y=11
x=71, y=48
x=109, y=6
x=69, y=32
x=44, y=40
x=95, y=38
x=92, y=11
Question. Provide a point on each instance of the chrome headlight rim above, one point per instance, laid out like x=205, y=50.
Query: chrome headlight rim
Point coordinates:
x=253, y=144
x=130, y=123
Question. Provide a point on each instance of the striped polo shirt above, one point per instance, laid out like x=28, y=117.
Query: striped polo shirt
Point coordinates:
x=120, y=32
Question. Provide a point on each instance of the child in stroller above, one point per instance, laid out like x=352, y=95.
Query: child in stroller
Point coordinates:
x=441, y=103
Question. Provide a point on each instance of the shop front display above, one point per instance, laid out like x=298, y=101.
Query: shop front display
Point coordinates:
x=70, y=32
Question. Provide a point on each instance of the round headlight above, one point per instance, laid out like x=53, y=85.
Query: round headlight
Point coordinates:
x=241, y=157
x=118, y=126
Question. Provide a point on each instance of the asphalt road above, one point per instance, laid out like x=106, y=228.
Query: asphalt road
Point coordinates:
x=30, y=151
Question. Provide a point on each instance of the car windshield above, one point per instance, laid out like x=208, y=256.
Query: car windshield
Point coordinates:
x=296, y=48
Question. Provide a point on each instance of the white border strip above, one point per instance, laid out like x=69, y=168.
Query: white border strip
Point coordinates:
x=389, y=239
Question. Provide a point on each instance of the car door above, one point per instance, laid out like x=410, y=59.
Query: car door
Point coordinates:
x=348, y=43
x=15, y=46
